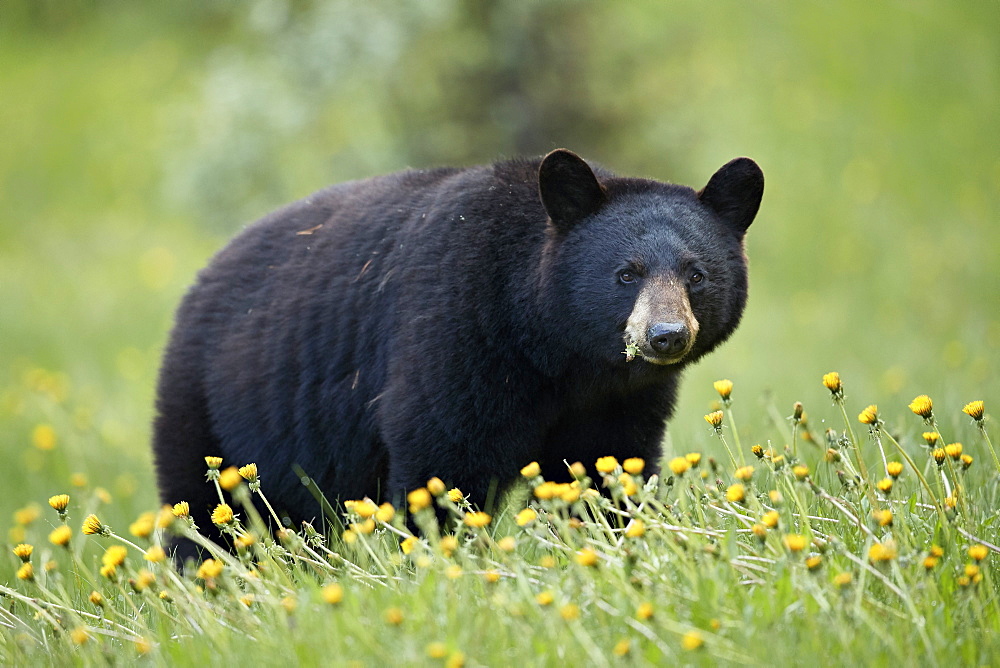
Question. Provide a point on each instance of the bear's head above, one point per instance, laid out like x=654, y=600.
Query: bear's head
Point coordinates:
x=654, y=270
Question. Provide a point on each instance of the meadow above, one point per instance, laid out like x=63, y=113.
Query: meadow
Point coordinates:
x=136, y=140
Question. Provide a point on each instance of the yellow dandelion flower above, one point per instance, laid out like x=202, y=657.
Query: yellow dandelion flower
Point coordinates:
x=249, y=472
x=724, y=387
x=26, y=571
x=922, y=406
x=453, y=572
x=230, y=478
x=571, y=492
x=930, y=563
x=953, y=450
x=363, y=528
x=636, y=529
x=770, y=519
x=894, y=469
x=966, y=461
x=61, y=535
x=143, y=646
x=644, y=611
x=393, y=616
x=143, y=526
x=455, y=660
x=532, y=470
x=165, y=518
x=744, y=473
x=79, y=635
x=842, y=580
x=223, y=515
x=547, y=561
x=678, y=465
x=419, y=499
x=715, y=419
x=491, y=576
x=776, y=498
x=437, y=650
x=92, y=526
x=881, y=552
x=43, y=437
x=586, y=557
x=795, y=542
x=23, y=551
x=950, y=502
x=290, y=604
x=244, y=541
x=622, y=647
x=869, y=415
x=569, y=612
x=978, y=552
x=144, y=580
x=883, y=517
x=606, y=464
x=578, y=470
x=59, y=502
x=884, y=485
x=832, y=455
x=634, y=465
x=210, y=568
x=213, y=463
x=409, y=544
x=78, y=479
x=525, y=517
x=546, y=490
x=385, y=513
x=477, y=519
x=760, y=531
x=693, y=458
x=448, y=544
x=455, y=495
x=544, y=598
x=692, y=640
x=155, y=555
x=332, y=594
x=813, y=563
x=27, y=515
x=96, y=598
x=365, y=508
x=939, y=455
x=801, y=471
x=507, y=543
x=832, y=382
x=971, y=570
x=931, y=438
x=108, y=571
x=628, y=484
x=114, y=555
x=975, y=410
x=436, y=486
x=182, y=509
x=936, y=551
x=758, y=451
x=736, y=493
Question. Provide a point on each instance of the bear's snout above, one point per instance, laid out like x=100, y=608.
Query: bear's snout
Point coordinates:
x=669, y=339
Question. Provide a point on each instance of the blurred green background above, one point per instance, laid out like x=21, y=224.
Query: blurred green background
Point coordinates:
x=138, y=137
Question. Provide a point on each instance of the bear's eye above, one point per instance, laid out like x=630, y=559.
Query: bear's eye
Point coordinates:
x=627, y=276
x=696, y=277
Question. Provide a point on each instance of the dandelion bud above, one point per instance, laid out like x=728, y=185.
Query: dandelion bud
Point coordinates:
x=59, y=502
x=455, y=495
x=758, y=451
x=931, y=438
x=634, y=465
x=797, y=411
x=922, y=406
x=213, y=463
x=577, y=470
x=724, y=388
x=182, y=509
x=715, y=419
x=832, y=455
x=953, y=450
x=966, y=461
x=249, y=473
x=974, y=409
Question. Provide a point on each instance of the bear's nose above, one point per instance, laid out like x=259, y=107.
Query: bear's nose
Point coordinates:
x=668, y=338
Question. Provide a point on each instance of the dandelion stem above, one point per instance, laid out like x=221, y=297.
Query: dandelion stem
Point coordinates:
x=862, y=469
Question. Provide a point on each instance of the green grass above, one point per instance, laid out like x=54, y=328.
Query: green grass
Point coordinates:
x=715, y=562
x=137, y=139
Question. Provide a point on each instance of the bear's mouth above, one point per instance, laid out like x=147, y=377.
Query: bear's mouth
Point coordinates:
x=646, y=353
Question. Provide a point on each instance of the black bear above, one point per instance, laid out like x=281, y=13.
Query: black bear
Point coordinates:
x=457, y=323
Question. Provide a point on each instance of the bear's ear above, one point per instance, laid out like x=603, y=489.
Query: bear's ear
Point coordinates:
x=568, y=188
x=734, y=193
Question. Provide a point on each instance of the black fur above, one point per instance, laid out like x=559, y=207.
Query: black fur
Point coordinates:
x=439, y=323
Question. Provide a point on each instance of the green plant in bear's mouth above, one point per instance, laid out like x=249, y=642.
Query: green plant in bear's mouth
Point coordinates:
x=621, y=559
